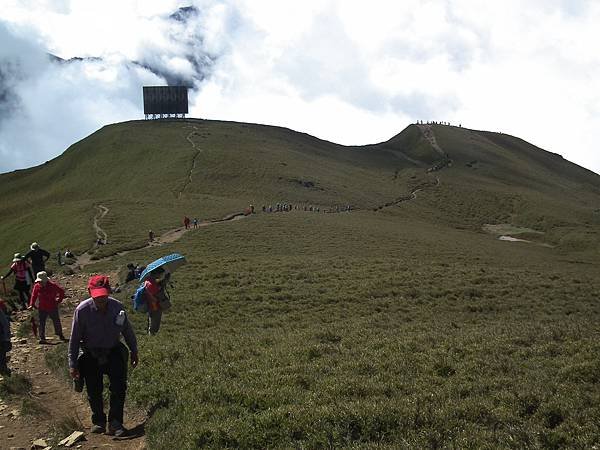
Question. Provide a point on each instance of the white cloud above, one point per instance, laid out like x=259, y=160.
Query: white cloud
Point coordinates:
x=338, y=69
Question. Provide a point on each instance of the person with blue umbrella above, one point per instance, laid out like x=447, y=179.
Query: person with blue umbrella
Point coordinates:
x=155, y=277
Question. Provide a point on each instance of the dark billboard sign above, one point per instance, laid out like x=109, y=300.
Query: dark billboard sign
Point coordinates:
x=165, y=100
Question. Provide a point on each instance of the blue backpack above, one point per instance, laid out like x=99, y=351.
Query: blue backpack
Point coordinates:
x=139, y=302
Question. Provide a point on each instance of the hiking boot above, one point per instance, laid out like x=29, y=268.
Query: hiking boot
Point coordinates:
x=116, y=429
x=98, y=429
x=62, y=338
x=43, y=341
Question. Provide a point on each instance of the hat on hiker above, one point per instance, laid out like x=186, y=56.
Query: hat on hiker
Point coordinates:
x=41, y=276
x=99, y=286
x=18, y=257
x=34, y=246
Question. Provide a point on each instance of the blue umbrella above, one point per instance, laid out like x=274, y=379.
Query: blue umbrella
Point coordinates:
x=170, y=263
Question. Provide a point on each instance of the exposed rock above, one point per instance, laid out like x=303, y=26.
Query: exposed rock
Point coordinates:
x=39, y=443
x=72, y=439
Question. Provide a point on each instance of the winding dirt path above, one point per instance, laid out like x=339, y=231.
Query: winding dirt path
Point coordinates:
x=430, y=136
x=168, y=237
x=100, y=233
x=198, y=151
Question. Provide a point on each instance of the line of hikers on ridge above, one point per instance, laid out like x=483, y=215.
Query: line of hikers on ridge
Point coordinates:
x=288, y=207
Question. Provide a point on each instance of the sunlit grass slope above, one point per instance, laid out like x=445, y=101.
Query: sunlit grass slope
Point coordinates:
x=367, y=330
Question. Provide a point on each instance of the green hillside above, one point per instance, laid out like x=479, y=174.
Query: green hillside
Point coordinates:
x=401, y=324
x=141, y=171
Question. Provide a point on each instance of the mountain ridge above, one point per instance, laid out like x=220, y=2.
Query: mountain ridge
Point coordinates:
x=211, y=166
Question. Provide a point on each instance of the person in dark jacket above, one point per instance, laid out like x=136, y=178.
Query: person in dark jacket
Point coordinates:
x=5, y=344
x=37, y=257
x=23, y=278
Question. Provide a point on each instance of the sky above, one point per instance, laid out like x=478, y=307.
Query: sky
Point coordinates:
x=347, y=71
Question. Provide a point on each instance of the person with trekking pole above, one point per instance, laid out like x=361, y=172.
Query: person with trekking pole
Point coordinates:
x=46, y=295
x=22, y=270
x=98, y=323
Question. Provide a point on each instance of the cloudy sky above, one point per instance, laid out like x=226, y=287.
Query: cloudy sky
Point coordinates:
x=352, y=72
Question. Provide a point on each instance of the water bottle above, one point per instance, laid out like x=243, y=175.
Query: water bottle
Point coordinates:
x=120, y=320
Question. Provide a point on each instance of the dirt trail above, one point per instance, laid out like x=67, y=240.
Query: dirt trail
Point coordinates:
x=100, y=233
x=54, y=408
x=198, y=151
x=430, y=136
x=168, y=237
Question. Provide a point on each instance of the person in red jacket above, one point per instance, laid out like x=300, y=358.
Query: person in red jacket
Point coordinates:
x=45, y=297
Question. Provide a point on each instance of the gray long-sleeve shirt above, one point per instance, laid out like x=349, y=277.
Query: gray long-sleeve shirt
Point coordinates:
x=95, y=329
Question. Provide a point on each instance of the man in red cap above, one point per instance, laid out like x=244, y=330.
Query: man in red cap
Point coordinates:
x=98, y=324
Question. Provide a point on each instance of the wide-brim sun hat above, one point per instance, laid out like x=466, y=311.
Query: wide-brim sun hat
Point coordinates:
x=41, y=276
x=18, y=257
x=34, y=245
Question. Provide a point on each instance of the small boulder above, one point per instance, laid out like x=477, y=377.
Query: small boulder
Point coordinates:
x=72, y=439
x=39, y=443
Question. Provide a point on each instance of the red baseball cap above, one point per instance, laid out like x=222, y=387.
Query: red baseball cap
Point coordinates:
x=99, y=286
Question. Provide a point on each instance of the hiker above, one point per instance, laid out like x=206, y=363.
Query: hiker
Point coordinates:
x=130, y=273
x=59, y=258
x=45, y=297
x=22, y=270
x=37, y=257
x=195, y=222
x=150, y=236
x=156, y=297
x=186, y=222
x=98, y=323
x=5, y=344
x=69, y=254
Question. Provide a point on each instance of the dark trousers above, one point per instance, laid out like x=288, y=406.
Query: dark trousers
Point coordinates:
x=154, y=318
x=3, y=367
x=92, y=370
x=55, y=320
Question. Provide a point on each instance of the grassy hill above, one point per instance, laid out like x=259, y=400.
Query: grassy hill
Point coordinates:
x=404, y=325
x=141, y=171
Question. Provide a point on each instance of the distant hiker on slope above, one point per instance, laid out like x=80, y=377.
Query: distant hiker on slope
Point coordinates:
x=45, y=297
x=150, y=236
x=195, y=222
x=186, y=222
x=98, y=324
x=37, y=257
x=5, y=344
x=23, y=276
x=130, y=273
x=156, y=298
